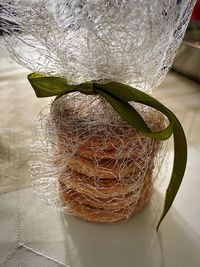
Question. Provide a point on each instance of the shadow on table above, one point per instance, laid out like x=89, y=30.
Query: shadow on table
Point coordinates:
x=132, y=243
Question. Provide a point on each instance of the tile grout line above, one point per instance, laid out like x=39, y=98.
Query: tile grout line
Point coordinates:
x=19, y=241
x=9, y=256
x=18, y=232
x=42, y=255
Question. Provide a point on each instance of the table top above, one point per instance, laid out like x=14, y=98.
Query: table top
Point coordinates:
x=32, y=234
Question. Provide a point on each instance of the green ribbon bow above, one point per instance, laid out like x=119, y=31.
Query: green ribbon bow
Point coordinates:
x=118, y=95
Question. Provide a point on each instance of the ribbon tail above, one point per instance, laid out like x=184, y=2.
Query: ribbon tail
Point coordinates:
x=179, y=166
x=180, y=145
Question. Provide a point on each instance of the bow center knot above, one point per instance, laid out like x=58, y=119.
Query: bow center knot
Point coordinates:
x=87, y=88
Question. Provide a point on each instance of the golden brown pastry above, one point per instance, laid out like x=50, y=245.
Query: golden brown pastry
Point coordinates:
x=104, y=168
x=102, y=210
x=97, y=187
x=108, y=166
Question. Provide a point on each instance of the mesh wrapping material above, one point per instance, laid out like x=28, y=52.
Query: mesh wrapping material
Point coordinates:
x=87, y=161
x=133, y=42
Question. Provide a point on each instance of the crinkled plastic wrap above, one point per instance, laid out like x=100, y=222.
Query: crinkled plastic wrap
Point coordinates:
x=87, y=161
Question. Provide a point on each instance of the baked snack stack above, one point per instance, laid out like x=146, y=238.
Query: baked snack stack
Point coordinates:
x=107, y=169
x=84, y=153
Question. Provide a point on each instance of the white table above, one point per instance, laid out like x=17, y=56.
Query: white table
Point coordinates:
x=32, y=234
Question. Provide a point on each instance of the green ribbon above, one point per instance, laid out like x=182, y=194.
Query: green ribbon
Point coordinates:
x=118, y=95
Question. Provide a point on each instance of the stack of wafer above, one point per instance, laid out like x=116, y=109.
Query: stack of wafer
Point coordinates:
x=99, y=181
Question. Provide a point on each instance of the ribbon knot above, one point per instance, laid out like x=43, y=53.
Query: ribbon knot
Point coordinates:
x=119, y=95
x=87, y=88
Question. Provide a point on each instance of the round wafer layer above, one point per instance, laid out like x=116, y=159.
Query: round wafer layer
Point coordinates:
x=103, y=188
x=87, y=210
x=104, y=168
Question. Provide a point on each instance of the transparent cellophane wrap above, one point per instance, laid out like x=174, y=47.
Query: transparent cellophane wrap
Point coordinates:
x=87, y=161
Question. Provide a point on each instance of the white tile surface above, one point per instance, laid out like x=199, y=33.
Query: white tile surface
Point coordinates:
x=74, y=242
x=25, y=258
x=18, y=107
x=8, y=225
